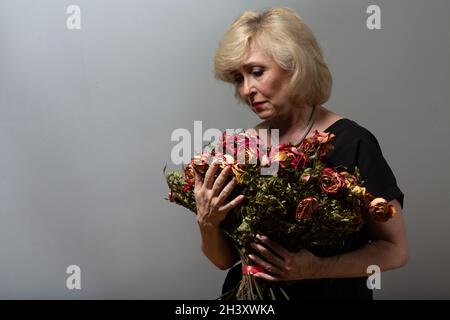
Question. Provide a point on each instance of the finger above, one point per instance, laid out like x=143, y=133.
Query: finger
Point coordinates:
x=266, y=277
x=280, y=250
x=269, y=255
x=226, y=191
x=218, y=184
x=269, y=267
x=209, y=177
x=197, y=179
x=232, y=204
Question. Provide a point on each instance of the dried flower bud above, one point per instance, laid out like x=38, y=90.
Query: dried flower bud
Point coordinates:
x=349, y=179
x=305, y=177
x=358, y=191
x=189, y=174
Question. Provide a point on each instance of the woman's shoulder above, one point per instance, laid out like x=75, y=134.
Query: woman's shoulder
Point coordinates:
x=354, y=142
x=349, y=134
x=347, y=128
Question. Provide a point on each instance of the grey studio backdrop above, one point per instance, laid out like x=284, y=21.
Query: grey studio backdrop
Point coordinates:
x=86, y=117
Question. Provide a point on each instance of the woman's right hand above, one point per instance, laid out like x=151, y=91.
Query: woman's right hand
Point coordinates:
x=210, y=196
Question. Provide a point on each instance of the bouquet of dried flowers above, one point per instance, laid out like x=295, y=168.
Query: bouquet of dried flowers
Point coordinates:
x=290, y=195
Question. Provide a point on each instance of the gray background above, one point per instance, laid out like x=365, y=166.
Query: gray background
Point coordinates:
x=86, y=118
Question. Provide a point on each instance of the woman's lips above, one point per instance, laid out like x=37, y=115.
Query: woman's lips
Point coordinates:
x=258, y=106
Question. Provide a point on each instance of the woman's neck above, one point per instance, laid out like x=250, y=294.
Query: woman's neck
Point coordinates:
x=293, y=123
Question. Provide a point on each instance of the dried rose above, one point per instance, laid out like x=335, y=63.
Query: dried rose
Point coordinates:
x=299, y=160
x=279, y=155
x=189, y=174
x=331, y=181
x=381, y=210
x=201, y=162
x=288, y=155
x=244, y=147
x=324, y=150
x=237, y=169
x=308, y=145
x=306, y=208
x=239, y=144
x=323, y=137
x=320, y=141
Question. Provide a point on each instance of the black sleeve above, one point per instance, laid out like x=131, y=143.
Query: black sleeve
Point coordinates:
x=375, y=171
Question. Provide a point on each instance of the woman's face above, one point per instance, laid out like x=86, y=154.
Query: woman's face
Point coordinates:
x=263, y=84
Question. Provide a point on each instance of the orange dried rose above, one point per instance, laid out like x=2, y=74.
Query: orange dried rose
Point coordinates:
x=381, y=210
x=308, y=145
x=323, y=137
x=288, y=156
x=331, y=181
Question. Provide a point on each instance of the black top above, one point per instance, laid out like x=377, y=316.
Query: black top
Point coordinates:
x=353, y=146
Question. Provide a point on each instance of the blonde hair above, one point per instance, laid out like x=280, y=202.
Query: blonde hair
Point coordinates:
x=282, y=35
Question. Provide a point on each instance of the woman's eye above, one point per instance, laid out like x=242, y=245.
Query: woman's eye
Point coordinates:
x=238, y=79
x=258, y=73
x=255, y=73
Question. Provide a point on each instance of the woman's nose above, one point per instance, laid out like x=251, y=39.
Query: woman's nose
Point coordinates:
x=249, y=89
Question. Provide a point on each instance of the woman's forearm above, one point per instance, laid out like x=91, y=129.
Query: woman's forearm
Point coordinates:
x=217, y=247
x=384, y=254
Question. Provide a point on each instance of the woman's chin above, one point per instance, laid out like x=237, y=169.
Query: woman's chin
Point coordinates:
x=264, y=115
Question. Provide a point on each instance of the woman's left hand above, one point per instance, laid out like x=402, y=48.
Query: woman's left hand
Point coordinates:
x=284, y=265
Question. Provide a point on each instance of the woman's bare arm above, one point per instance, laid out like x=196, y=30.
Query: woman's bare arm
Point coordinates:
x=212, y=208
x=388, y=250
x=217, y=247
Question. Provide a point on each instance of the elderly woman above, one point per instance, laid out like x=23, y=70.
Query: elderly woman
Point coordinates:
x=278, y=70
